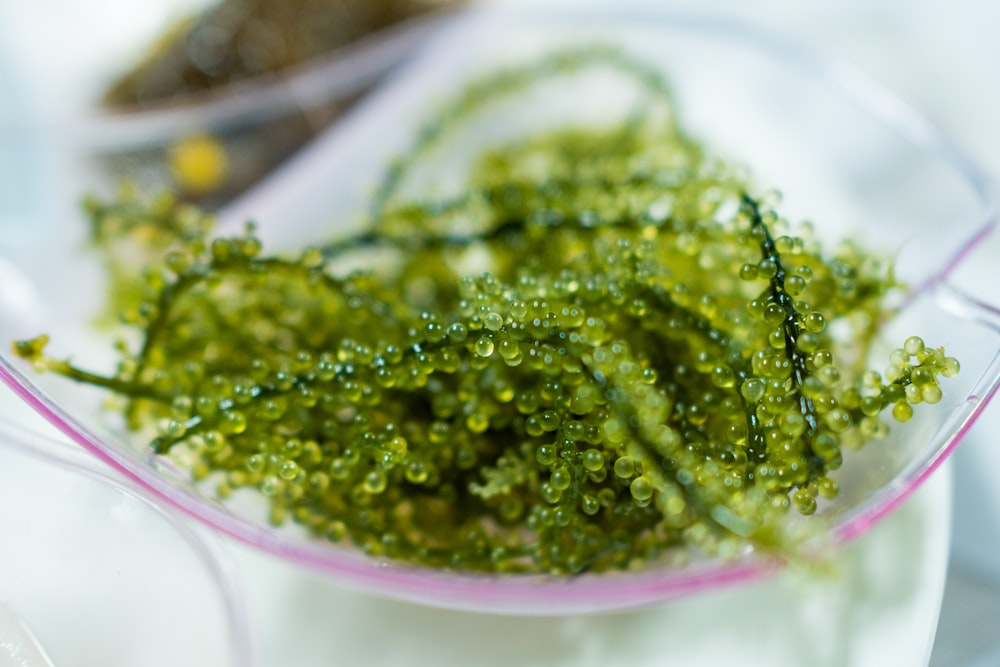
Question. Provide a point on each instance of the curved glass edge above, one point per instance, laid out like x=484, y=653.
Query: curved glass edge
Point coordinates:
x=841, y=77
x=534, y=595
x=337, y=75
x=954, y=428
x=204, y=545
x=542, y=595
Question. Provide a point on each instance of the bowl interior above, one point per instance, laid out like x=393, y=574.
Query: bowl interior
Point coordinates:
x=846, y=155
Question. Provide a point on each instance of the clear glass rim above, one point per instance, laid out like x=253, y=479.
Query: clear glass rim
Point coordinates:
x=544, y=595
x=204, y=545
x=335, y=75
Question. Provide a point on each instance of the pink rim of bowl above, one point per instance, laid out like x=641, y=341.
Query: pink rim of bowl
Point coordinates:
x=543, y=595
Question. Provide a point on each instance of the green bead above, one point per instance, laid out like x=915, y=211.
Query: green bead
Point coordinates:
x=549, y=420
x=814, y=322
x=546, y=455
x=484, y=346
x=808, y=342
x=508, y=348
x=457, y=332
x=753, y=390
x=256, y=463
x=477, y=422
x=533, y=426
x=641, y=488
x=624, y=467
x=289, y=470
x=593, y=460
x=804, y=502
x=894, y=393
x=550, y=494
x=871, y=405
x=340, y=469
x=561, y=479
x=902, y=412
x=233, y=422
x=838, y=420
x=793, y=424
x=828, y=488
x=493, y=322
x=416, y=472
x=913, y=346
x=795, y=285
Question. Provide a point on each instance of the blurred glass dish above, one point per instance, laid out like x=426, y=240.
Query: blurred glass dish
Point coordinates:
x=238, y=40
x=99, y=575
x=844, y=152
x=210, y=130
x=321, y=55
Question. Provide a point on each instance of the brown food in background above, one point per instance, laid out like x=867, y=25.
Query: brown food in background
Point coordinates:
x=233, y=42
x=240, y=39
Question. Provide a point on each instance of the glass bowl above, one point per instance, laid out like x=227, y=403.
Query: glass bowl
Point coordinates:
x=846, y=154
x=100, y=575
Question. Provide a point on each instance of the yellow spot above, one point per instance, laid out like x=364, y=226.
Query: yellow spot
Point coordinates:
x=198, y=163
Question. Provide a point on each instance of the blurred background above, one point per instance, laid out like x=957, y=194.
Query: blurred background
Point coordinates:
x=941, y=57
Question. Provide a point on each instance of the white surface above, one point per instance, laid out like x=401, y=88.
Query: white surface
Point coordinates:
x=18, y=645
x=95, y=40
x=99, y=576
x=874, y=604
x=967, y=630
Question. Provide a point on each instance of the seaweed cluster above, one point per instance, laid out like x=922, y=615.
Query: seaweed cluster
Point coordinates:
x=605, y=348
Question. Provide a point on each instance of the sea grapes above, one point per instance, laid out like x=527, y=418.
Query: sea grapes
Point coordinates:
x=604, y=349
